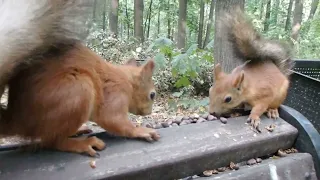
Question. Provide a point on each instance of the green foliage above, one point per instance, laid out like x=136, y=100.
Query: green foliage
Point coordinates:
x=184, y=74
x=192, y=104
x=185, y=68
x=308, y=44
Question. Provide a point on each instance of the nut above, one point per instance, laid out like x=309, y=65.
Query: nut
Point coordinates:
x=223, y=120
x=221, y=169
x=93, y=164
x=281, y=153
x=251, y=162
x=271, y=127
x=259, y=160
x=234, y=166
x=207, y=173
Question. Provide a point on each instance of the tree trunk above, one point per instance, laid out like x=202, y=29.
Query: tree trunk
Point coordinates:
x=172, y=34
x=146, y=22
x=94, y=11
x=201, y=23
x=138, y=20
x=297, y=15
x=275, y=11
x=113, y=17
x=149, y=19
x=159, y=18
x=209, y=24
x=128, y=22
x=104, y=15
x=289, y=12
x=182, y=24
x=261, y=8
x=120, y=30
x=267, y=19
x=168, y=20
x=223, y=52
x=313, y=9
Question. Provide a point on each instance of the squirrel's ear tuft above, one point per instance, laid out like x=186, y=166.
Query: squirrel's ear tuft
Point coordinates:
x=217, y=71
x=131, y=62
x=237, y=82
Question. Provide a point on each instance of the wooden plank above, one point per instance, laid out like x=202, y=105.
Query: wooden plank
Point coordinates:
x=295, y=166
x=181, y=151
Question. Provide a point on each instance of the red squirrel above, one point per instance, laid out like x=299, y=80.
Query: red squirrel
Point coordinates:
x=56, y=83
x=29, y=28
x=71, y=86
x=261, y=82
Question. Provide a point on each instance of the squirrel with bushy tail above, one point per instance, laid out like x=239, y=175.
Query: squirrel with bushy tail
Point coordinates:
x=261, y=82
x=56, y=83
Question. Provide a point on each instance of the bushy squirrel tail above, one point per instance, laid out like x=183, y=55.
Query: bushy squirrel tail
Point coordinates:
x=31, y=28
x=28, y=26
x=248, y=44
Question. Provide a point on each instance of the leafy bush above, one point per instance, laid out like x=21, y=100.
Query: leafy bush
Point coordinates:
x=188, y=72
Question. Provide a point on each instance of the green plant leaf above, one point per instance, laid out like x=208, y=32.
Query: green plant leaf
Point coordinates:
x=182, y=82
x=179, y=63
x=174, y=73
x=177, y=94
x=160, y=60
x=191, y=49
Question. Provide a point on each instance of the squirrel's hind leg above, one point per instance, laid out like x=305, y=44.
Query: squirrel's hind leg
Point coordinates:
x=80, y=145
x=70, y=105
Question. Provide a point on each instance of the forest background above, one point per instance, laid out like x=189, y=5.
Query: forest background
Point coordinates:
x=181, y=36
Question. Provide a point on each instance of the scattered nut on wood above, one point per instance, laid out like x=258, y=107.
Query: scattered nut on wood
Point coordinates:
x=93, y=164
x=196, y=116
x=281, y=153
x=221, y=169
x=271, y=127
x=288, y=151
x=165, y=124
x=251, y=162
x=259, y=160
x=224, y=120
x=294, y=150
x=207, y=173
x=211, y=118
x=234, y=166
x=291, y=150
x=215, y=171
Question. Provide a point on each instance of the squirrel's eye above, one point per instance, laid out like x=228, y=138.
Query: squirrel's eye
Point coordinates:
x=227, y=99
x=152, y=95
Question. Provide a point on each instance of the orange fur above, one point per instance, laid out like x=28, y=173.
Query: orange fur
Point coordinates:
x=52, y=99
x=262, y=86
x=261, y=82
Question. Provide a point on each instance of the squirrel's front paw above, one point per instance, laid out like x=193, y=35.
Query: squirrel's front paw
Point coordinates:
x=273, y=113
x=146, y=133
x=254, y=121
